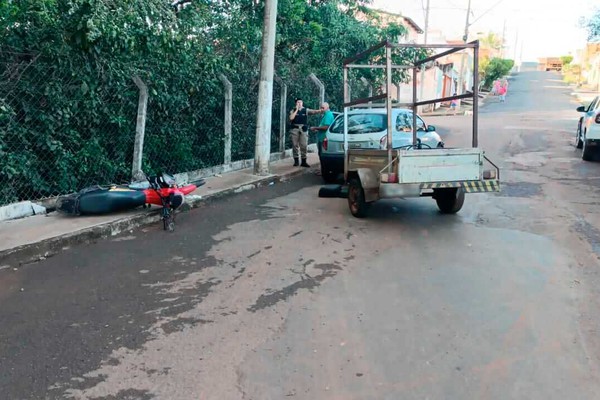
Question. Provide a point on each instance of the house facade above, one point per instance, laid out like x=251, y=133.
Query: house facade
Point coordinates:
x=591, y=65
x=438, y=79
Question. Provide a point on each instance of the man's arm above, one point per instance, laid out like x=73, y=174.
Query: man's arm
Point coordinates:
x=293, y=114
x=312, y=112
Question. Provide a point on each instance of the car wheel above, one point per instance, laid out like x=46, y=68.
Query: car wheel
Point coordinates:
x=586, y=153
x=356, y=199
x=440, y=145
x=578, y=141
x=449, y=201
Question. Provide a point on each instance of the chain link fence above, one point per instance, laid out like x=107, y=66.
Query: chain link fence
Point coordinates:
x=59, y=133
x=66, y=128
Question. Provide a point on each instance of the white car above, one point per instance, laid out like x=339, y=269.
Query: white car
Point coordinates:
x=588, y=129
x=367, y=129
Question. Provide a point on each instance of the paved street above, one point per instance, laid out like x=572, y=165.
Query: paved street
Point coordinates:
x=276, y=294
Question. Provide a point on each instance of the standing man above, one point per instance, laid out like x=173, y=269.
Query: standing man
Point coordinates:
x=326, y=121
x=299, y=132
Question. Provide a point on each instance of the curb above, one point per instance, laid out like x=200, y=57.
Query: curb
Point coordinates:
x=33, y=252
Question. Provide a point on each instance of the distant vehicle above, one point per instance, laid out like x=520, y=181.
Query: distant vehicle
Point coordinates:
x=587, y=136
x=367, y=129
x=550, y=64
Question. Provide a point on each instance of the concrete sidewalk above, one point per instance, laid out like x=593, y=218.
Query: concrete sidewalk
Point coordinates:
x=444, y=110
x=33, y=238
x=584, y=95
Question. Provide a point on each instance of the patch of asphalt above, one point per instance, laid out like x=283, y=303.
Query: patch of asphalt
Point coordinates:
x=62, y=318
x=520, y=189
x=39, y=251
x=306, y=282
x=590, y=233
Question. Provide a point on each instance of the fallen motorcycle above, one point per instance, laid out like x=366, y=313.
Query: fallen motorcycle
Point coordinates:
x=161, y=190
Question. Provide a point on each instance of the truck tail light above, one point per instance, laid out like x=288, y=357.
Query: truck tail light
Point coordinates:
x=325, y=143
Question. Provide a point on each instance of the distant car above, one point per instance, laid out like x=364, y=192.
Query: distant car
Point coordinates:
x=587, y=136
x=367, y=129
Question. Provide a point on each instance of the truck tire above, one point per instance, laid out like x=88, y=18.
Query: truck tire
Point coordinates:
x=449, y=201
x=578, y=141
x=356, y=199
x=586, y=153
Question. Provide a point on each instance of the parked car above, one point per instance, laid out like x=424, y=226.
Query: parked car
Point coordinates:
x=587, y=136
x=367, y=129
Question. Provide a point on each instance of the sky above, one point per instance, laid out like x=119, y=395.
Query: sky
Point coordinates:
x=533, y=28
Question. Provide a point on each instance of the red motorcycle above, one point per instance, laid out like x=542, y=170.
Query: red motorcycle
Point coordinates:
x=161, y=190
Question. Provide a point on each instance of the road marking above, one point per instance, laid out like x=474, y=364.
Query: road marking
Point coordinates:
x=535, y=128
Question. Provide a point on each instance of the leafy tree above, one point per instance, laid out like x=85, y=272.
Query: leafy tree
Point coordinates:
x=592, y=25
x=68, y=103
x=491, y=41
x=566, y=60
x=496, y=69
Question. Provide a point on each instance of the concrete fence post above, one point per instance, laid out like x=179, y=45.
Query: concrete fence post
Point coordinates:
x=398, y=91
x=228, y=119
x=368, y=85
x=140, y=129
x=321, y=87
x=282, y=113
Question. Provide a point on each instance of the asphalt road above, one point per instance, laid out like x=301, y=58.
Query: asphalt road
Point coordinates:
x=276, y=294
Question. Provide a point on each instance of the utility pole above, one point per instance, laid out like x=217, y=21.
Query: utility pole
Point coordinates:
x=459, y=90
x=516, y=42
x=515, y=56
x=262, y=149
x=424, y=42
x=503, y=39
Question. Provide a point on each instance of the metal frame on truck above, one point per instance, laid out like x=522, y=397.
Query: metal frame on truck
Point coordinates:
x=412, y=171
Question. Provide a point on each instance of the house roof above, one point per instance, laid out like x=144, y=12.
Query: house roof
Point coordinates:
x=408, y=20
x=412, y=23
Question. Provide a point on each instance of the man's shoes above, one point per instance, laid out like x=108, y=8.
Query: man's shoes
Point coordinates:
x=296, y=163
x=304, y=164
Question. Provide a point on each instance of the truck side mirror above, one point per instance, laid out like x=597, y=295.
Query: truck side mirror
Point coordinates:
x=430, y=128
x=581, y=109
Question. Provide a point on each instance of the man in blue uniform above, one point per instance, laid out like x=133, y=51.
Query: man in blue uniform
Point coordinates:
x=299, y=132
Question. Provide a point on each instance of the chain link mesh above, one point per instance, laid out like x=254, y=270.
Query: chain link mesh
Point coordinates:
x=64, y=129
x=59, y=133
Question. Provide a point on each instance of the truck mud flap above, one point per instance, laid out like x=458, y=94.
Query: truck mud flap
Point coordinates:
x=488, y=185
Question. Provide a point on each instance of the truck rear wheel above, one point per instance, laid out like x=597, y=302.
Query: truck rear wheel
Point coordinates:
x=449, y=201
x=356, y=199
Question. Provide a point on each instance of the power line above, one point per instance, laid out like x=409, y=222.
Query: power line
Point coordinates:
x=486, y=11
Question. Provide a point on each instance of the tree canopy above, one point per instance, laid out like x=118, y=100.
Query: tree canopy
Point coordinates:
x=592, y=25
x=68, y=103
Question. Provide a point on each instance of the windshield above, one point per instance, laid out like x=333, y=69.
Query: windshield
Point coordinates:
x=360, y=123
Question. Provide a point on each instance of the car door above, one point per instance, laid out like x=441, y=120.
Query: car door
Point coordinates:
x=590, y=112
x=592, y=129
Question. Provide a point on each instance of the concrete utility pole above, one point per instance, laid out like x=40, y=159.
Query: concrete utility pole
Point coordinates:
x=503, y=38
x=140, y=129
x=464, y=53
x=424, y=42
x=518, y=66
x=262, y=149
